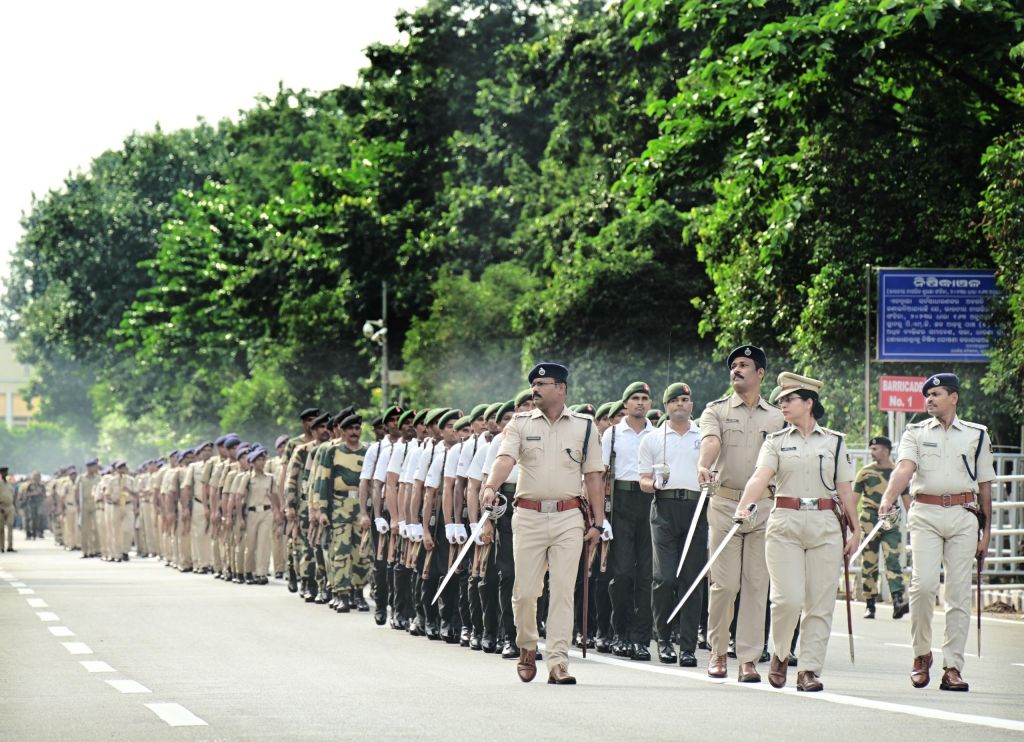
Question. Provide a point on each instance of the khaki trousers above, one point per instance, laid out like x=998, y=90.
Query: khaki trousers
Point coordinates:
x=122, y=520
x=147, y=527
x=550, y=542
x=804, y=551
x=183, y=544
x=257, y=542
x=740, y=568
x=102, y=530
x=7, y=516
x=87, y=536
x=202, y=546
x=72, y=540
x=279, y=551
x=942, y=537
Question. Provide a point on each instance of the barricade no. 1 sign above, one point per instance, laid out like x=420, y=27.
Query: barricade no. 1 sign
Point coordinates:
x=901, y=393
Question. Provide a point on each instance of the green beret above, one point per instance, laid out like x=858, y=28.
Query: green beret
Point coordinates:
x=463, y=422
x=602, y=411
x=584, y=409
x=406, y=416
x=654, y=416
x=434, y=414
x=616, y=408
x=391, y=412
x=492, y=410
x=675, y=390
x=477, y=412
x=506, y=407
x=448, y=416
x=637, y=387
x=420, y=416
x=523, y=396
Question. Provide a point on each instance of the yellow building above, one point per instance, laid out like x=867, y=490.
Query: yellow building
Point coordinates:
x=14, y=409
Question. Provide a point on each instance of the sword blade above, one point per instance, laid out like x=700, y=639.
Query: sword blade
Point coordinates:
x=693, y=527
x=871, y=534
x=704, y=570
x=462, y=555
x=979, y=609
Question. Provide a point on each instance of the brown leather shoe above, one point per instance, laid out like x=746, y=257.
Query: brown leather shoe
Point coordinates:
x=748, y=673
x=527, y=665
x=808, y=682
x=777, y=672
x=919, y=676
x=559, y=675
x=717, y=667
x=951, y=680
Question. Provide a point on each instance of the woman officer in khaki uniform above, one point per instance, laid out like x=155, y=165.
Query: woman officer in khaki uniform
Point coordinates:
x=803, y=543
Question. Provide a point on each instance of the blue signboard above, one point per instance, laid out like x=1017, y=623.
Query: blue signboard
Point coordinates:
x=934, y=315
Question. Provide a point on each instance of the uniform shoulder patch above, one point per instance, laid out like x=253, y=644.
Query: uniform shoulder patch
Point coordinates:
x=719, y=401
x=777, y=433
x=834, y=432
x=521, y=414
x=976, y=426
x=918, y=425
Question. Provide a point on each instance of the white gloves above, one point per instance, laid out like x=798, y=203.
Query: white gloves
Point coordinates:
x=415, y=531
x=381, y=524
x=477, y=536
x=449, y=532
x=403, y=529
x=606, y=532
x=460, y=534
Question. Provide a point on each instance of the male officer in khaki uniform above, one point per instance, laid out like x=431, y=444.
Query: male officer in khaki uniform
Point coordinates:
x=194, y=498
x=948, y=464
x=85, y=498
x=732, y=431
x=560, y=477
x=6, y=511
x=73, y=519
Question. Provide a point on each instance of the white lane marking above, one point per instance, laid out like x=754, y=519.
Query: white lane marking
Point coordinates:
x=18, y=584
x=128, y=686
x=47, y=616
x=36, y=603
x=896, y=708
x=176, y=715
x=96, y=666
x=845, y=635
x=26, y=591
x=6, y=576
x=61, y=631
x=77, y=647
x=1018, y=664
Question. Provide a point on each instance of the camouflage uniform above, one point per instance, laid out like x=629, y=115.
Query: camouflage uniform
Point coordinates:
x=336, y=493
x=870, y=485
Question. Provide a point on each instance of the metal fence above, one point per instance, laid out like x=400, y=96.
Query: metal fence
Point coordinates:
x=1004, y=566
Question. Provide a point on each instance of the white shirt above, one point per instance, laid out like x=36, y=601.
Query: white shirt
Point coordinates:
x=476, y=466
x=492, y=454
x=411, y=463
x=439, y=466
x=680, y=452
x=399, y=453
x=627, y=445
x=380, y=472
x=370, y=460
x=451, y=463
x=426, y=459
x=468, y=451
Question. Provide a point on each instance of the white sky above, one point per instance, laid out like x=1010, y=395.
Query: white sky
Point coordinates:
x=78, y=77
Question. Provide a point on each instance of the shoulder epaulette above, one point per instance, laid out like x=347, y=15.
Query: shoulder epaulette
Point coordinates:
x=834, y=432
x=526, y=414
x=783, y=431
x=719, y=401
x=918, y=425
x=976, y=426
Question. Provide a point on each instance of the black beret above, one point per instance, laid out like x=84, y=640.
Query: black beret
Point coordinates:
x=880, y=440
x=547, y=370
x=350, y=420
x=749, y=351
x=309, y=412
x=948, y=380
x=92, y=462
x=378, y=420
x=322, y=420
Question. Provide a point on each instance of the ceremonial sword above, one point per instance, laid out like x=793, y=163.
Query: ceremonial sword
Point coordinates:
x=489, y=512
x=704, y=570
x=884, y=521
x=693, y=524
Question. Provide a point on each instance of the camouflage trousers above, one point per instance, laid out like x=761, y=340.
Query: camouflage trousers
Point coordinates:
x=347, y=566
x=889, y=542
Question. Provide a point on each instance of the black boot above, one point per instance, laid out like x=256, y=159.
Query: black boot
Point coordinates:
x=869, y=609
x=341, y=603
x=293, y=581
x=900, y=607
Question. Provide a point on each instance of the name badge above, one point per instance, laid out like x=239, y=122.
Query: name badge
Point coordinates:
x=533, y=437
x=931, y=445
x=790, y=448
x=732, y=419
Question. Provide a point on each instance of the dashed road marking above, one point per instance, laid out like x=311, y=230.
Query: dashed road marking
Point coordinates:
x=77, y=647
x=96, y=666
x=128, y=686
x=176, y=715
x=61, y=631
x=36, y=603
x=18, y=584
x=26, y=591
x=47, y=616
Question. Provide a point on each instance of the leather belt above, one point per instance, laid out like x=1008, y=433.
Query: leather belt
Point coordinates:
x=728, y=493
x=509, y=490
x=625, y=485
x=947, y=501
x=804, y=503
x=549, y=506
x=260, y=509
x=678, y=494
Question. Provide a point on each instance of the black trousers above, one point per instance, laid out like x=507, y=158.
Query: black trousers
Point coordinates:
x=630, y=562
x=487, y=590
x=502, y=578
x=380, y=588
x=670, y=522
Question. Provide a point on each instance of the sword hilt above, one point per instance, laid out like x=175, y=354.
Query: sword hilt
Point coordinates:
x=497, y=508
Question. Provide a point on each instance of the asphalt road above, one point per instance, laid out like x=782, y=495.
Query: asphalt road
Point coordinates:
x=137, y=651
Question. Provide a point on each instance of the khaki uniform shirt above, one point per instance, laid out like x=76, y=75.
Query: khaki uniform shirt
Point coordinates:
x=741, y=430
x=119, y=489
x=806, y=467
x=6, y=493
x=948, y=461
x=551, y=456
x=67, y=491
x=86, y=490
x=258, y=488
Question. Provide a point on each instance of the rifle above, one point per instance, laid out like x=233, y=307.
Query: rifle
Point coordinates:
x=609, y=500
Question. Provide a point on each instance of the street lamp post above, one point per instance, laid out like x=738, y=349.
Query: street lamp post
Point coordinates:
x=376, y=330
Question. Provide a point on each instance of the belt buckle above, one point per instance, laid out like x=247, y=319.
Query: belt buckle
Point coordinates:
x=548, y=506
x=947, y=501
x=808, y=503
